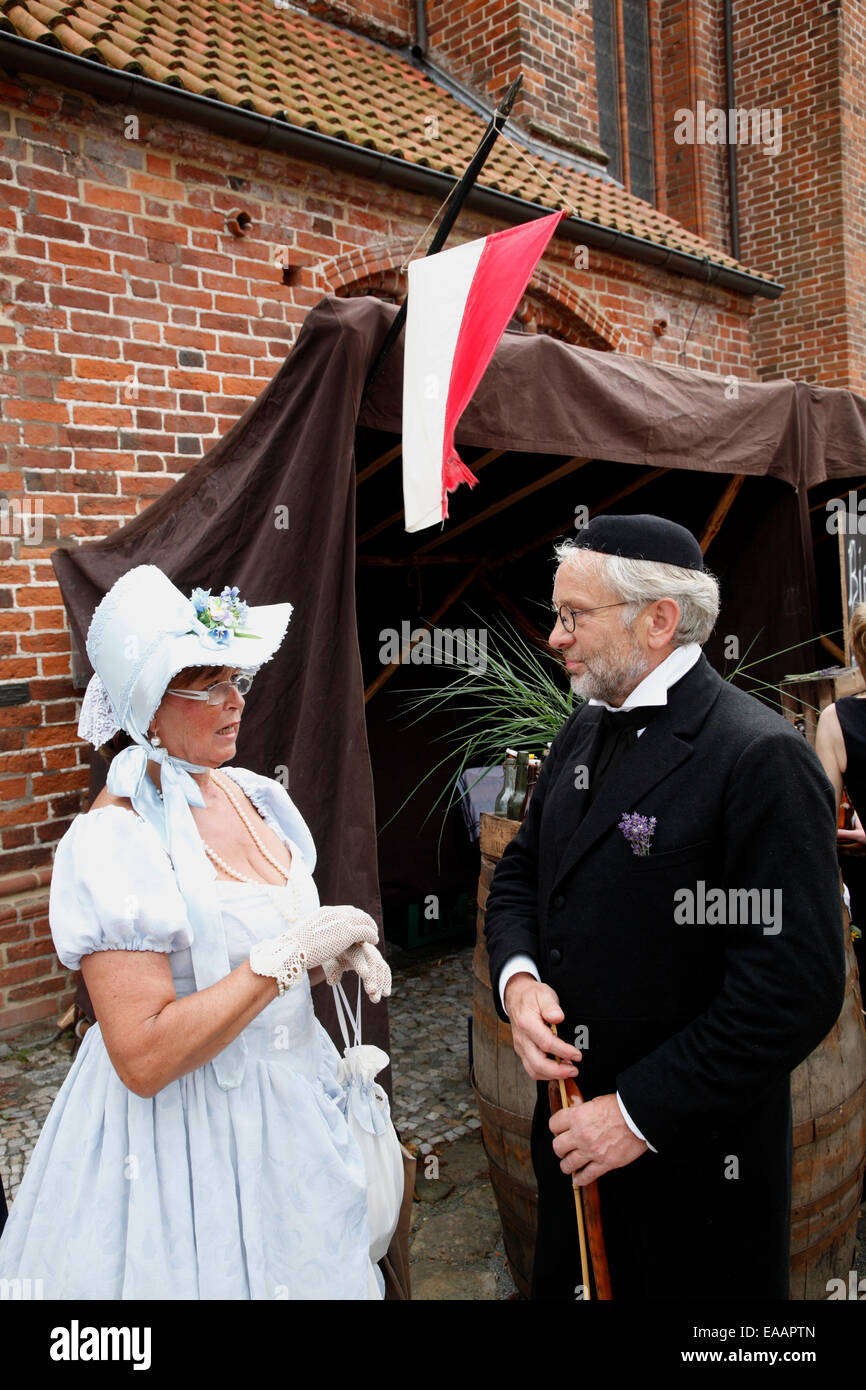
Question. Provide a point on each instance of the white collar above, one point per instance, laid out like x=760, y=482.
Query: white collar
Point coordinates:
x=653, y=689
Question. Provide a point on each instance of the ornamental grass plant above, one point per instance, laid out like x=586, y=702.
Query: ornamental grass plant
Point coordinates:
x=520, y=699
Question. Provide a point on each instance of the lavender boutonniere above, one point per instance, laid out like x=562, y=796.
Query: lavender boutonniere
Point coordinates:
x=638, y=830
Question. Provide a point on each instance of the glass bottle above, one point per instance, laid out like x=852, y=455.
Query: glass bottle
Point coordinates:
x=509, y=770
x=532, y=777
x=515, y=803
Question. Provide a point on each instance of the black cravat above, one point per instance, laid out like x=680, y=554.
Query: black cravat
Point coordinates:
x=618, y=733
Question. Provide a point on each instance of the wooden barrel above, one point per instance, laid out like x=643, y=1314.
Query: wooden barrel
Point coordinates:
x=828, y=1092
x=505, y=1094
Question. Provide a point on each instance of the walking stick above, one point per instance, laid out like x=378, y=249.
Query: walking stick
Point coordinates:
x=591, y=1229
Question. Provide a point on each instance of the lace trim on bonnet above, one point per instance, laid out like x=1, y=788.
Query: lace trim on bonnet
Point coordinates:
x=97, y=722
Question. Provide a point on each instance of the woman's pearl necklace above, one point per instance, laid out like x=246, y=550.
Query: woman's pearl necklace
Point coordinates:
x=290, y=916
x=243, y=878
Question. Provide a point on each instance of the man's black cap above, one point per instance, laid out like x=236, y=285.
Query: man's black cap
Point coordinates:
x=641, y=537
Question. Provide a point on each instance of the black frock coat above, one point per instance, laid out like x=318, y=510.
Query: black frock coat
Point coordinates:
x=697, y=1025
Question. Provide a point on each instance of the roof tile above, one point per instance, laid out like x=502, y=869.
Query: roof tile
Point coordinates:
x=292, y=67
x=116, y=58
x=75, y=42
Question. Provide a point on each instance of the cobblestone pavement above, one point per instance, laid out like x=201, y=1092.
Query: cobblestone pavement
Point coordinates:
x=456, y=1247
x=32, y=1069
x=429, y=1013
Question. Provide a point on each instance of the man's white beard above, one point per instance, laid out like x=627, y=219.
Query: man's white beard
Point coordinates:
x=612, y=678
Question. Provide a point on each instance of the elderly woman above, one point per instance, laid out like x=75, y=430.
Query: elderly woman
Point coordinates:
x=198, y=1147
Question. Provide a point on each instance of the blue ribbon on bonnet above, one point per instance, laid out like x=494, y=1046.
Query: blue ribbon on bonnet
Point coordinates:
x=173, y=821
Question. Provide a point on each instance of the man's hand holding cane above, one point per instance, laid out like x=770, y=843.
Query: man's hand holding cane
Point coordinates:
x=591, y=1136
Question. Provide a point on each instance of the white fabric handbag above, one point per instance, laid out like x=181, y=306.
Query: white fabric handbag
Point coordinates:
x=368, y=1114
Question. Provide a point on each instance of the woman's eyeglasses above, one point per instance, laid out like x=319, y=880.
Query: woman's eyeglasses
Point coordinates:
x=219, y=693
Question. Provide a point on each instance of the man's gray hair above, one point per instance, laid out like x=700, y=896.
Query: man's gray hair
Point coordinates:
x=637, y=582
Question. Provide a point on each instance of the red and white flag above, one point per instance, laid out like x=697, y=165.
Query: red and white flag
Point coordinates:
x=459, y=304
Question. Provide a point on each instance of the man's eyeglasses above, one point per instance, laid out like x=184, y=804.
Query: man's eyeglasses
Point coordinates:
x=219, y=693
x=568, y=616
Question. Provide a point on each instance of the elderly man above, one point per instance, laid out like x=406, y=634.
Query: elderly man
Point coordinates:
x=671, y=902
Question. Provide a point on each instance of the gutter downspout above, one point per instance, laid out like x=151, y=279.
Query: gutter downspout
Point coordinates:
x=419, y=47
x=730, y=103
x=248, y=127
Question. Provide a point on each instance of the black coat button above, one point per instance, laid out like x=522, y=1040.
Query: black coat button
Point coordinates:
x=559, y=900
x=555, y=957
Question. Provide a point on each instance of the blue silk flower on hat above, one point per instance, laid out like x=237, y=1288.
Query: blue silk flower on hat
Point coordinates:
x=224, y=616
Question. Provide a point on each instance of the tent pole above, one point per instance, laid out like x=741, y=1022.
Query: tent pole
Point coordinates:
x=720, y=511
x=446, y=603
x=833, y=649
x=511, y=500
x=519, y=619
x=411, y=561
x=456, y=199
x=378, y=463
x=398, y=516
x=510, y=556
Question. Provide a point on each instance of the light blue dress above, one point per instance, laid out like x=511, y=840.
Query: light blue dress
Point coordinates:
x=256, y=1192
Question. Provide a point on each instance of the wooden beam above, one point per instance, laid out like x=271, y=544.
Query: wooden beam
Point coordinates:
x=379, y=527
x=831, y=647
x=835, y=491
x=519, y=619
x=387, y=673
x=606, y=502
x=571, y=466
x=380, y=462
x=477, y=466
x=408, y=561
x=720, y=511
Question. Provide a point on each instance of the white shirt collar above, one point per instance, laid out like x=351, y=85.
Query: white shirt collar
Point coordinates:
x=653, y=689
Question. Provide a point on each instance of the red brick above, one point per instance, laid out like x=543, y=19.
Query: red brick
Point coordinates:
x=12, y=788
x=14, y=1018
x=16, y=932
x=20, y=762
x=18, y=973
x=29, y=951
x=40, y=988
x=15, y=839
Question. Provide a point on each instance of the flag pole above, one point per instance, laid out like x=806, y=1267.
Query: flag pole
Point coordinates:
x=459, y=194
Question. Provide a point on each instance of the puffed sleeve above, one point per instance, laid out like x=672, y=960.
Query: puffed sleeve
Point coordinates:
x=113, y=889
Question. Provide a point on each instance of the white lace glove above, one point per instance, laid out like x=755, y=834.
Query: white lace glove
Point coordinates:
x=327, y=933
x=370, y=966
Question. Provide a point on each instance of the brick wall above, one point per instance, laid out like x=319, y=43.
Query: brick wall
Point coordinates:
x=485, y=43
x=33, y=983
x=134, y=329
x=852, y=65
x=802, y=219
x=801, y=211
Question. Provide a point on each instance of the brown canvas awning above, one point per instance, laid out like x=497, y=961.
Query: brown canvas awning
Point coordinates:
x=542, y=396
